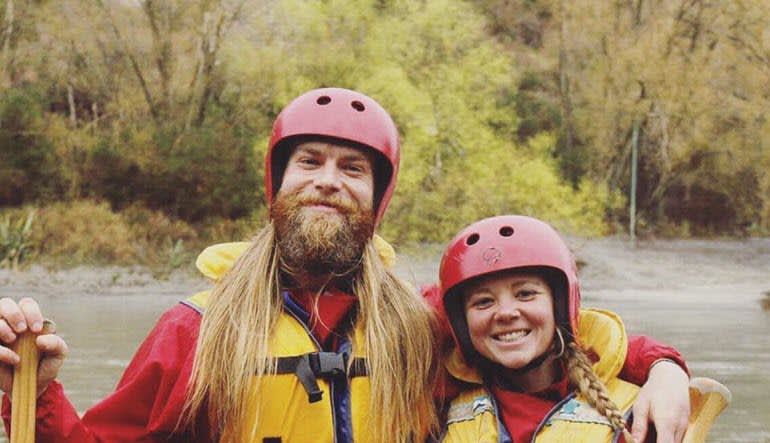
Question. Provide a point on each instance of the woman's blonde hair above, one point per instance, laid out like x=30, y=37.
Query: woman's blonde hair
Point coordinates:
x=590, y=386
x=240, y=318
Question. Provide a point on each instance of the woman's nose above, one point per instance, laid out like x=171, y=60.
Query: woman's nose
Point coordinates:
x=508, y=310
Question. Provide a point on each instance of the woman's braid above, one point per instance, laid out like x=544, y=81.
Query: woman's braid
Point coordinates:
x=582, y=375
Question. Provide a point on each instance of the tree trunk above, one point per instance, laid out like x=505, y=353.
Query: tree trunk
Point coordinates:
x=6, y=62
x=208, y=51
x=71, y=103
x=566, y=98
x=213, y=29
x=161, y=42
x=134, y=65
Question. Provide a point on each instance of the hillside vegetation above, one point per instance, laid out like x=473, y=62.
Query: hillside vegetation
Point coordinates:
x=142, y=125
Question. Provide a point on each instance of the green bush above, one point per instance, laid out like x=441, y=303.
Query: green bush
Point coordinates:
x=190, y=175
x=83, y=232
x=90, y=232
x=207, y=172
x=16, y=244
x=27, y=161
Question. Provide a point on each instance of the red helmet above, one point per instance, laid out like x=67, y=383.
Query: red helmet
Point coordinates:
x=504, y=243
x=339, y=115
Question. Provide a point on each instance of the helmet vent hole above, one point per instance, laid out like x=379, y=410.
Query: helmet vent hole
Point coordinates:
x=324, y=100
x=357, y=105
x=472, y=239
x=506, y=231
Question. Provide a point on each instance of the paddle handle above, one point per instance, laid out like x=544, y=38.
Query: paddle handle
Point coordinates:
x=708, y=398
x=24, y=394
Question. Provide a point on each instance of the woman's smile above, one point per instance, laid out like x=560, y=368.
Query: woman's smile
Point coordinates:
x=513, y=336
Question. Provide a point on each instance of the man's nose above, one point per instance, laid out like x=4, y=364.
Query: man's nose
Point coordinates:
x=328, y=178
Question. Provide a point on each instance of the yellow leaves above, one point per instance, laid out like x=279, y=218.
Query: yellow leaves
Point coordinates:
x=453, y=89
x=693, y=74
x=492, y=177
x=83, y=231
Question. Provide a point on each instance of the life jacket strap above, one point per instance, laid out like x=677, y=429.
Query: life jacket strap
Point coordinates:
x=330, y=365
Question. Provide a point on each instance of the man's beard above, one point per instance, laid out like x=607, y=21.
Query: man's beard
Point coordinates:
x=320, y=244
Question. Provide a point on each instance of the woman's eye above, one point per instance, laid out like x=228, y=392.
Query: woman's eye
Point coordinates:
x=481, y=302
x=527, y=294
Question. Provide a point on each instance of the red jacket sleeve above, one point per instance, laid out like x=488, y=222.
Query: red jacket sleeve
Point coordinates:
x=148, y=401
x=643, y=352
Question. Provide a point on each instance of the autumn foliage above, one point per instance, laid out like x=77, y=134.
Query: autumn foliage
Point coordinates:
x=503, y=106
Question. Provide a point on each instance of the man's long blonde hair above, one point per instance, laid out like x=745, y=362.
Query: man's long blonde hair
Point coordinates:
x=240, y=318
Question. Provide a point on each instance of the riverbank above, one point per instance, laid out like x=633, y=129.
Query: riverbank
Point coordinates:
x=102, y=280
x=617, y=263
x=611, y=262
x=673, y=264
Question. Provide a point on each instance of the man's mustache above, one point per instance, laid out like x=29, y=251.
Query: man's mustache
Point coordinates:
x=344, y=206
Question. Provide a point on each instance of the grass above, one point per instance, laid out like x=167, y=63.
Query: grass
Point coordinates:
x=86, y=232
x=16, y=245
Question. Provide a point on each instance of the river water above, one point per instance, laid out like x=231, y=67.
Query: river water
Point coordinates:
x=703, y=297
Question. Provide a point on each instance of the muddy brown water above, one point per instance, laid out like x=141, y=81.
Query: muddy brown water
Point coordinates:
x=704, y=297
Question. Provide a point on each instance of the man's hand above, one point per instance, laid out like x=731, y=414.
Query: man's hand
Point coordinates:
x=663, y=401
x=16, y=318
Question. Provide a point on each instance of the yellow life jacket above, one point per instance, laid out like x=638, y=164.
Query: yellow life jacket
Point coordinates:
x=334, y=407
x=286, y=413
x=472, y=416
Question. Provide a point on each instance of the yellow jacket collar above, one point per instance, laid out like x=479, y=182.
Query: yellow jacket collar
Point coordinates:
x=217, y=259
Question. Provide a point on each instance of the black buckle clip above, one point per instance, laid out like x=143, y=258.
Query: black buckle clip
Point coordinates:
x=329, y=364
x=320, y=364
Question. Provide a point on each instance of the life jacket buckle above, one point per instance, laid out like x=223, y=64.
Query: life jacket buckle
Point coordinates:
x=314, y=365
x=329, y=364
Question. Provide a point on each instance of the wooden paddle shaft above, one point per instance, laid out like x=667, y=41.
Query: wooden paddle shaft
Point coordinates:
x=24, y=394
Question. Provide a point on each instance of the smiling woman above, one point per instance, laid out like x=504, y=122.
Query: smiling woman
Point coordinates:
x=531, y=363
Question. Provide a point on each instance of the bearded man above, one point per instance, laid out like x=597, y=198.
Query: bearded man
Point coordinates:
x=306, y=337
